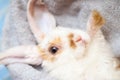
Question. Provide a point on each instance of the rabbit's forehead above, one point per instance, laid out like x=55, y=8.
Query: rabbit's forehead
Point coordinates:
x=63, y=32
x=62, y=36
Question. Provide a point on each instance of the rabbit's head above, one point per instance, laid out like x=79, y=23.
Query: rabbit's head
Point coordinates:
x=59, y=45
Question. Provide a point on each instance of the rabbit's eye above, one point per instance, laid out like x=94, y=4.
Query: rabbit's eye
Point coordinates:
x=53, y=49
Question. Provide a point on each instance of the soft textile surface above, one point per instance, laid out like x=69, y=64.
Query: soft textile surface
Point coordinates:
x=3, y=10
x=4, y=74
x=70, y=13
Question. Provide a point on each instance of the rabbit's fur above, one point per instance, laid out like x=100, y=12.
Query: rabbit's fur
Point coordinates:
x=67, y=54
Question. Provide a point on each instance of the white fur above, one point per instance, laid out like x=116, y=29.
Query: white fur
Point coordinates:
x=92, y=60
x=97, y=64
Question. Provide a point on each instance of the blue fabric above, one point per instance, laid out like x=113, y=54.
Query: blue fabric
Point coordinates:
x=4, y=73
x=3, y=10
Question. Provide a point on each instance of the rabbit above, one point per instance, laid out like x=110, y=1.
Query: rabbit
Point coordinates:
x=66, y=53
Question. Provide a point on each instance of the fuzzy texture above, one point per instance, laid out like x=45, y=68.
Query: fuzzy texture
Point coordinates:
x=75, y=14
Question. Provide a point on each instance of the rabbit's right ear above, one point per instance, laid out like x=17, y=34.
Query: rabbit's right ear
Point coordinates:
x=39, y=18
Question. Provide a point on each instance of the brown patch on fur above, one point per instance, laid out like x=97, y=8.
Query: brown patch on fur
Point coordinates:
x=57, y=40
x=48, y=58
x=117, y=62
x=45, y=56
x=118, y=67
x=95, y=22
x=72, y=44
x=70, y=36
x=58, y=43
x=71, y=41
x=97, y=19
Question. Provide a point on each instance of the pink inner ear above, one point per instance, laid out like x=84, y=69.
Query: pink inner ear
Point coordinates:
x=78, y=39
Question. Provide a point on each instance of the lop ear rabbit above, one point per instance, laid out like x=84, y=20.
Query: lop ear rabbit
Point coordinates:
x=67, y=54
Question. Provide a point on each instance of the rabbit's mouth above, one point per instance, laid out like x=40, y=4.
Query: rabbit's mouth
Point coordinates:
x=39, y=67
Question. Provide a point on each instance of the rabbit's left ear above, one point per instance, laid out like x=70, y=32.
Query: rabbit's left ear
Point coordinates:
x=95, y=22
x=39, y=18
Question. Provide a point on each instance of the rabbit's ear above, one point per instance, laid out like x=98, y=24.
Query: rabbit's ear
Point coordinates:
x=21, y=54
x=40, y=20
x=95, y=22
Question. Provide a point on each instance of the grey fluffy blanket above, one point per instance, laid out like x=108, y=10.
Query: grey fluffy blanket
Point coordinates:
x=69, y=13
